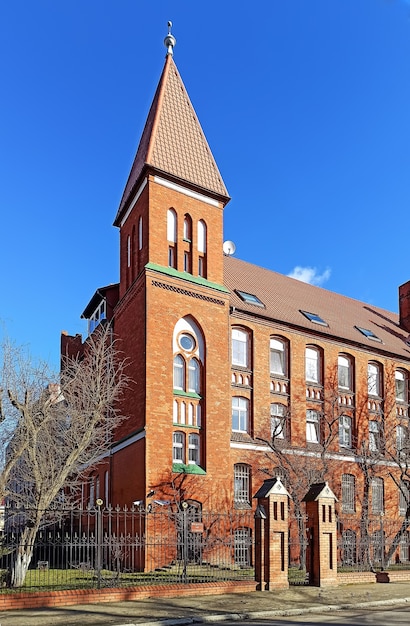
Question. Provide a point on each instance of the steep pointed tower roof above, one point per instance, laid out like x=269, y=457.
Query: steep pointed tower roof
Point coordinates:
x=173, y=142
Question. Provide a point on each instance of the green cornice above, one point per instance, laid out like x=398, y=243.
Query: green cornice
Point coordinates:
x=180, y=468
x=196, y=280
x=187, y=394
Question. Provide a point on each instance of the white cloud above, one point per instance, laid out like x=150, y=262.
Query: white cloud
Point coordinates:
x=309, y=275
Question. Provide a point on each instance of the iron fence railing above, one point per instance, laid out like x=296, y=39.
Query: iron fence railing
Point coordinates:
x=373, y=544
x=100, y=547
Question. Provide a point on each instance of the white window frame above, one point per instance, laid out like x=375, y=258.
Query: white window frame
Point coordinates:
x=240, y=347
x=278, y=357
x=312, y=365
x=240, y=414
x=278, y=420
x=194, y=376
x=374, y=436
x=404, y=496
x=373, y=379
x=312, y=426
x=178, y=445
x=400, y=386
x=193, y=449
x=344, y=372
x=345, y=431
x=179, y=372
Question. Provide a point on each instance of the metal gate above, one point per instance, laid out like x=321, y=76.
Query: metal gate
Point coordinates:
x=300, y=551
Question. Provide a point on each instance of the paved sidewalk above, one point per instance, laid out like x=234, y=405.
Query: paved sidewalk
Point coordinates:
x=199, y=609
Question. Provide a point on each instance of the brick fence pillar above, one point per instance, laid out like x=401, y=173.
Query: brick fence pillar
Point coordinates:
x=271, y=536
x=320, y=509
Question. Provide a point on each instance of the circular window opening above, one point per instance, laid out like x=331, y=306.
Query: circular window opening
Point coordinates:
x=187, y=342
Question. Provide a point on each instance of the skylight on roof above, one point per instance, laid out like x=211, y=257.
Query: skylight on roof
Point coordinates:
x=249, y=298
x=368, y=333
x=314, y=317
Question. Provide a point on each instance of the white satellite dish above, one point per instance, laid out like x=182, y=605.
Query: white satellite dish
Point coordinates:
x=229, y=248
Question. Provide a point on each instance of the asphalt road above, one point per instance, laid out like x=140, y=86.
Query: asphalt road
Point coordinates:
x=368, y=617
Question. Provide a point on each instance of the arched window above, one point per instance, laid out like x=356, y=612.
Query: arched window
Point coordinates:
x=312, y=365
x=179, y=372
x=345, y=373
x=374, y=379
x=278, y=356
x=172, y=237
x=240, y=414
x=140, y=233
x=178, y=447
x=242, y=484
x=187, y=228
x=401, y=385
x=240, y=347
x=278, y=420
x=348, y=493
x=202, y=269
x=194, y=376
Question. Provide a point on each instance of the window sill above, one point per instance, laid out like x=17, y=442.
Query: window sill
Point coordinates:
x=181, y=468
x=242, y=505
x=187, y=394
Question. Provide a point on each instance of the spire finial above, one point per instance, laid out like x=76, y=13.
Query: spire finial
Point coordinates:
x=170, y=40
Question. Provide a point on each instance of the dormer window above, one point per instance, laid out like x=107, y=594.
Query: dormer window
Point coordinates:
x=314, y=317
x=96, y=318
x=249, y=298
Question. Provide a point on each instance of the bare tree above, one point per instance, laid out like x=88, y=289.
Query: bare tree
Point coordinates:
x=58, y=427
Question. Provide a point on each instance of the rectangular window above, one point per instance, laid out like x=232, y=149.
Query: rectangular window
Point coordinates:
x=312, y=426
x=240, y=414
x=242, y=484
x=172, y=257
x=401, y=440
x=344, y=373
x=193, y=449
x=178, y=449
x=377, y=491
x=278, y=421
x=348, y=493
x=374, y=436
x=345, y=431
x=400, y=386
x=373, y=379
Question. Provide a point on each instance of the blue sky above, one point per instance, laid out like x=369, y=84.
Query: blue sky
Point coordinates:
x=305, y=104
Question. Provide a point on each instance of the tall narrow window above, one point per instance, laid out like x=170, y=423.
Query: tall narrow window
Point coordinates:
x=193, y=449
x=404, y=497
x=202, y=270
x=377, y=493
x=345, y=431
x=401, y=440
x=187, y=228
x=239, y=347
x=278, y=357
x=401, y=385
x=374, y=379
x=312, y=365
x=345, y=377
x=240, y=410
x=178, y=448
x=242, y=490
x=172, y=237
x=179, y=372
x=194, y=376
x=278, y=421
x=128, y=251
x=348, y=493
x=374, y=436
x=312, y=426
x=140, y=233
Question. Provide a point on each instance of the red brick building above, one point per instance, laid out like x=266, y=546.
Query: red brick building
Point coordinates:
x=238, y=373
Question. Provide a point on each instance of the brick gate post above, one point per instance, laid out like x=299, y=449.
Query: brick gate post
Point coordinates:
x=320, y=509
x=271, y=536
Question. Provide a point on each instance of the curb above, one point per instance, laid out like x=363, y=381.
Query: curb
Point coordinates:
x=224, y=617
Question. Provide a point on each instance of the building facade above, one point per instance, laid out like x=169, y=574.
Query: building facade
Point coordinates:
x=238, y=373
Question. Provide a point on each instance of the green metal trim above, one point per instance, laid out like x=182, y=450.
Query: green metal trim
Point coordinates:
x=197, y=280
x=181, y=468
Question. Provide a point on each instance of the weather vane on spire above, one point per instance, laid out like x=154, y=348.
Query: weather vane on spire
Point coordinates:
x=170, y=40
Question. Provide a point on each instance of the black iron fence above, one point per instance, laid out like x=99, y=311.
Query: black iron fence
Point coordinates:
x=99, y=547
x=373, y=544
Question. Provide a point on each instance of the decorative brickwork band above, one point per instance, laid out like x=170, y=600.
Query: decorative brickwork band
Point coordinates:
x=186, y=292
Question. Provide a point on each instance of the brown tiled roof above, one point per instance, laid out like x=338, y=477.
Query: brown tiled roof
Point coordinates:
x=285, y=297
x=173, y=141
